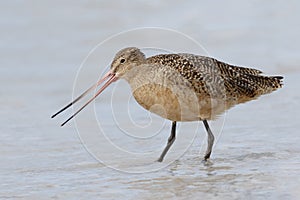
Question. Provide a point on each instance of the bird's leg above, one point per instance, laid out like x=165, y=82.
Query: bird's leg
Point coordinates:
x=171, y=140
x=210, y=141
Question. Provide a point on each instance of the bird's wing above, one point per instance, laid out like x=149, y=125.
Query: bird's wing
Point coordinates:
x=240, y=83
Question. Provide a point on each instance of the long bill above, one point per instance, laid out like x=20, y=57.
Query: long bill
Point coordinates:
x=111, y=78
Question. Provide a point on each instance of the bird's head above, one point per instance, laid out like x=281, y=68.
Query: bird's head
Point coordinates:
x=124, y=61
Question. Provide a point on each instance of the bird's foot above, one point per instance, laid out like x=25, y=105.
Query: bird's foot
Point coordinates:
x=160, y=159
x=207, y=162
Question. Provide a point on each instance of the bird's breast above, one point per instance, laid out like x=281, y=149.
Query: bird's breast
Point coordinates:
x=166, y=94
x=159, y=99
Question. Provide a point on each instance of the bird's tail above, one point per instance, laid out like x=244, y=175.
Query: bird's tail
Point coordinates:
x=250, y=86
x=278, y=81
x=258, y=85
x=269, y=83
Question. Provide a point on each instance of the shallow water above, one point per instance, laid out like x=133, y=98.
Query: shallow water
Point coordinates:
x=256, y=155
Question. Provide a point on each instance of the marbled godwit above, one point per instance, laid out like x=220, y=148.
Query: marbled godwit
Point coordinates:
x=184, y=87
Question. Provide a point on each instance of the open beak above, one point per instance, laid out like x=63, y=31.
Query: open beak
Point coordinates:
x=109, y=76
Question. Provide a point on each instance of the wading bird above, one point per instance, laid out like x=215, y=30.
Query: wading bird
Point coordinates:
x=183, y=87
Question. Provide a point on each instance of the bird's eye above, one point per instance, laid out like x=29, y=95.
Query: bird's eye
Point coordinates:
x=122, y=60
